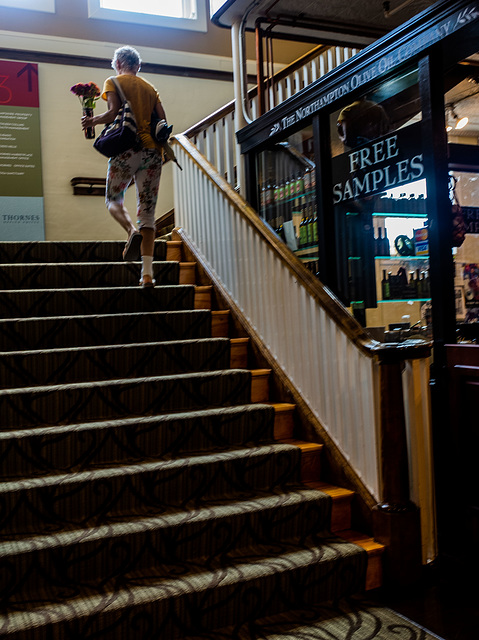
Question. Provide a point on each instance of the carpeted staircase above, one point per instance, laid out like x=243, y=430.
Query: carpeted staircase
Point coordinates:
x=144, y=491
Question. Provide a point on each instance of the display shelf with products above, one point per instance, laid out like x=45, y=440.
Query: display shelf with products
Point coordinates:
x=402, y=279
x=401, y=250
x=307, y=254
x=287, y=190
x=404, y=206
x=401, y=264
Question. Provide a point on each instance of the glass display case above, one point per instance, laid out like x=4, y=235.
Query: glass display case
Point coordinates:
x=401, y=257
x=380, y=208
x=287, y=194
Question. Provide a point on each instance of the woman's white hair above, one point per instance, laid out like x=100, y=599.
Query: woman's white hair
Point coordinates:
x=128, y=58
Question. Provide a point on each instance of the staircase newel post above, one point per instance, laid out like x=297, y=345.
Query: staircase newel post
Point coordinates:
x=396, y=519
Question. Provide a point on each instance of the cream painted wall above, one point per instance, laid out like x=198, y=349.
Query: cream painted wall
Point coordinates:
x=67, y=154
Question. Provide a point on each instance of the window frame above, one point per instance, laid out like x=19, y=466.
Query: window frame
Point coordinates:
x=47, y=6
x=96, y=11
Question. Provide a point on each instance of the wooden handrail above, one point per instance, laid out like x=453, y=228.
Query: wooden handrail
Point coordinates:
x=300, y=62
x=211, y=119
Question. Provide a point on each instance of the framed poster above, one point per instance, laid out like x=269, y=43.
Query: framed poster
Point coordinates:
x=21, y=188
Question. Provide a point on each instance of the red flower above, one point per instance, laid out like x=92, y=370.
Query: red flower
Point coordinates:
x=87, y=93
x=88, y=90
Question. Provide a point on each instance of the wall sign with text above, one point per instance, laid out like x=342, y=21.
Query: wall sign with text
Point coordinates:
x=21, y=189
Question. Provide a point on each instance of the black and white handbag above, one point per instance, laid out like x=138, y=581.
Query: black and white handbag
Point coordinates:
x=121, y=134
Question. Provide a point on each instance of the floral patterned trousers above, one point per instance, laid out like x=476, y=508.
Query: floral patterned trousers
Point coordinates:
x=144, y=167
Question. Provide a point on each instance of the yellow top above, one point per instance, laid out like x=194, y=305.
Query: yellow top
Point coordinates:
x=143, y=97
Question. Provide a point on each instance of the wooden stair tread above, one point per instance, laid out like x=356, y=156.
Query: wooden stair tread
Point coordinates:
x=362, y=540
x=333, y=491
x=282, y=406
x=304, y=445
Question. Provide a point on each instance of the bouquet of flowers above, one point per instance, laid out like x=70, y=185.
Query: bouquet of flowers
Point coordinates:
x=88, y=94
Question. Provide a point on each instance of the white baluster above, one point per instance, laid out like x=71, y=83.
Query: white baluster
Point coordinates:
x=339, y=56
x=305, y=75
x=255, y=107
x=279, y=91
x=322, y=65
x=289, y=87
x=297, y=82
x=220, y=147
x=330, y=58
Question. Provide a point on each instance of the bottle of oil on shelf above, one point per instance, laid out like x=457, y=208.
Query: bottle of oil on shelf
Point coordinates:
x=299, y=184
x=303, y=234
x=381, y=243
x=262, y=200
x=385, y=248
x=268, y=199
x=276, y=197
x=378, y=241
x=281, y=200
x=307, y=180
x=385, y=288
x=412, y=285
x=427, y=288
x=315, y=229
x=310, y=228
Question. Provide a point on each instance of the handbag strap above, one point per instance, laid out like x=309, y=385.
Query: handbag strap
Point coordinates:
x=118, y=88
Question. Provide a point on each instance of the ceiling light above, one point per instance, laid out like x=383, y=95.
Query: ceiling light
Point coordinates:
x=460, y=123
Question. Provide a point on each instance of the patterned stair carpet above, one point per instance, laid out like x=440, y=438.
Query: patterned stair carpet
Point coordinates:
x=350, y=619
x=142, y=495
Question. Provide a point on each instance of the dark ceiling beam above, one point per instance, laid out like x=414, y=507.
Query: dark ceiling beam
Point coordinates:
x=102, y=63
